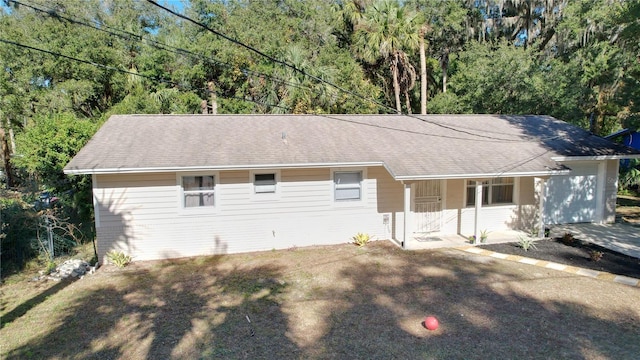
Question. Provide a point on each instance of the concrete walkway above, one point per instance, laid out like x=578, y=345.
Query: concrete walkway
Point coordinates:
x=623, y=238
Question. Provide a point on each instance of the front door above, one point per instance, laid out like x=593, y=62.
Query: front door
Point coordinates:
x=427, y=206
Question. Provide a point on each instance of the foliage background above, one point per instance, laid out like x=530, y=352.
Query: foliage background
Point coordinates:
x=575, y=60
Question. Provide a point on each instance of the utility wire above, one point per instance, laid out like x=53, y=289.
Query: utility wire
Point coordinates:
x=107, y=67
x=287, y=65
x=232, y=97
x=269, y=57
x=123, y=34
x=129, y=35
x=506, y=167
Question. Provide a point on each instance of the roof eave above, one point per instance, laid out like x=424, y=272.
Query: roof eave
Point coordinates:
x=595, y=158
x=100, y=171
x=484, y=175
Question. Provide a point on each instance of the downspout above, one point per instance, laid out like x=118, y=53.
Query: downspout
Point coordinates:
x=96, y=215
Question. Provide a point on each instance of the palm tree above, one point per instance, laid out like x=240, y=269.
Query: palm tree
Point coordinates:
x=383, y=33
x=423, y=69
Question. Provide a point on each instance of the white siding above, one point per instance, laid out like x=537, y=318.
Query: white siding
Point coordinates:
x=610, y=191
x=140, y=214
x=492, y=218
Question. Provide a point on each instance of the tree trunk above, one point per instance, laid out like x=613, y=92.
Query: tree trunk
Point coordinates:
x=444, y=63
x=423, y=75
x=6, y=156
x=407, y=101
x=204, y=107
x=396, y=84
x=214, y=99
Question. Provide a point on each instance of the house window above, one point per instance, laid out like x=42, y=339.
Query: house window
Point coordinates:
x=198, y=191
x=347, y=185
x=494, y=192
x=264, y=183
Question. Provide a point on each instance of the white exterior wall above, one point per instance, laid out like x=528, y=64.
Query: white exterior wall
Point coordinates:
x=141, y=215
x=586, y=194
x=610, y=191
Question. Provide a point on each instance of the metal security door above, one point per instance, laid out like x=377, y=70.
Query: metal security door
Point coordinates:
x=427, y=206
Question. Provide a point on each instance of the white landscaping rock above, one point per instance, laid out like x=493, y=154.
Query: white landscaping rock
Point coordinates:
x=74, y=268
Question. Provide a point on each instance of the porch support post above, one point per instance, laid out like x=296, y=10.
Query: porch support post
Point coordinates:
x=407, y=214
x=541, y=195
x=476, y=228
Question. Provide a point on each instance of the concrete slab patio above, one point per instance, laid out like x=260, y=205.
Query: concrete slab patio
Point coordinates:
x=623, y=238
x=452, y=241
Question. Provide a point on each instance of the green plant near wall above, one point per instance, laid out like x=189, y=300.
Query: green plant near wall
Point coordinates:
x=484, y=234
x=361, y=239
x=526, y=243
x=118, y=258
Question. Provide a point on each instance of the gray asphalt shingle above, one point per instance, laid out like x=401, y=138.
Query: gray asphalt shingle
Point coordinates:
x=409, y=146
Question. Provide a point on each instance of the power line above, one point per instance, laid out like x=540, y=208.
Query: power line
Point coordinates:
x=287, y=65
x=107, y=67
x=506, y=167
x=269, y=57
x=53, y=13
x=157, y=44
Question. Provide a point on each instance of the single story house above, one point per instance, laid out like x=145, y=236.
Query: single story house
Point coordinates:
x=168, y=186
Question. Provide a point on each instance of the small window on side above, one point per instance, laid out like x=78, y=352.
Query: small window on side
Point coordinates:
x=198, y=191
x=264, y=183
x=347, y=185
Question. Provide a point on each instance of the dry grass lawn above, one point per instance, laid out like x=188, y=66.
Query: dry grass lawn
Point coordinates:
x=336, y=302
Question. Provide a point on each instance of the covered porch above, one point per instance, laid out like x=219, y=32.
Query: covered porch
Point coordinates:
x=446, y=212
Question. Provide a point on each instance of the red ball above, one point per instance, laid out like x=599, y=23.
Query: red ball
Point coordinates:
x=431, y=323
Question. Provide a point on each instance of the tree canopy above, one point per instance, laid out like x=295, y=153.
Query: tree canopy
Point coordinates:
x=78, y=62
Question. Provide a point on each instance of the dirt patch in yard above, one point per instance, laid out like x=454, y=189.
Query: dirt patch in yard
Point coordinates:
x=332, y=302
x=628, y=209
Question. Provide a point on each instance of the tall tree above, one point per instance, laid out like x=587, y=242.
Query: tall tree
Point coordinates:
x=384, y=33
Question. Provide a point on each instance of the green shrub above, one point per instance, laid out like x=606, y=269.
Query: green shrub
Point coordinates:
x=361, y=239
x=568, y=239
x=595, y=255
x=526, y=243
x=17, y=229
x=51, y=267
x=484, y=234
x=118, y=258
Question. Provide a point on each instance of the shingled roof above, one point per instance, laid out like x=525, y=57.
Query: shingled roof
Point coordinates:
x=410, y=147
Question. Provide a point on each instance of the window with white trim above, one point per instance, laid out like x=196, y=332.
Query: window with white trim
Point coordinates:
x=198, y=191
x=347, y=185
x=264, y=183
x=494, y=192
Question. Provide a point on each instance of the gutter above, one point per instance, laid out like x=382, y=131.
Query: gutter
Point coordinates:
x=595, y=158
x=216, y=168
x=483, y=175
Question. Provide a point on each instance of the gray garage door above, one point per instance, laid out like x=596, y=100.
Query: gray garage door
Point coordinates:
x=572, y=198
